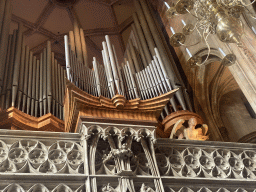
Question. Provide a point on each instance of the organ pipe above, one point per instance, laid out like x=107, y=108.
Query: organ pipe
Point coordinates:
x=21, y=76
x=49, y=80
x=41, y=86
x=134, y=79
x=16, y=67
x=135, y=59
x=27, y=82
x=78, y=42
x=4, y=32
x=53, y=84
x=10, y=69
x=84, y=48
x=2, y=6
x=142, y=38
x=25, y=79
x=6, y=73
x=44, y=82
x=145, y=27
x=37, y=87
x=31, y=59
x=113, y=64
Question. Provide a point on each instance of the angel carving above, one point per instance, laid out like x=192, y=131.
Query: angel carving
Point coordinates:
x=190, y=132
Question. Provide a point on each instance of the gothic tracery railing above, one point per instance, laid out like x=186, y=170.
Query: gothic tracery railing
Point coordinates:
x=105, y=157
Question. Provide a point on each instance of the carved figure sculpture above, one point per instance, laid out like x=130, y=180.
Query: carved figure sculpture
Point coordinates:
x=108, y=188
x=190, y=132
x=145, y=188
x=122, y=153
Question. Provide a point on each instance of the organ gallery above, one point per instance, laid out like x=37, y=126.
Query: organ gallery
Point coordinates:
x=127, y=95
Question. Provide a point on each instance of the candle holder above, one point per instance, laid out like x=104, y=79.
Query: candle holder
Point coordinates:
x=194, y=61
x=183, y=5
x=228, y=60
x=177, y=39
x=188, y=29
x=171, y=12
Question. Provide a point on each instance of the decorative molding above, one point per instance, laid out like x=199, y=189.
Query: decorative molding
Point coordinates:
x=79, y=103
x=15, y=119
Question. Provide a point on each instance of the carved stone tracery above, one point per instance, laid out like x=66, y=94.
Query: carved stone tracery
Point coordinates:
x=31, y=156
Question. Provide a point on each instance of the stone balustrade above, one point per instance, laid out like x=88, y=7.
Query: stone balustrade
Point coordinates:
x=107, y=157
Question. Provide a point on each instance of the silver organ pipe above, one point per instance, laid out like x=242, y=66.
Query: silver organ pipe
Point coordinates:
x=147, y=70
x=5, y=20
x=27, y=82
x=6, y=73
x=53, y=84
x=36, y=84
x=21, y=77
x=10, y=69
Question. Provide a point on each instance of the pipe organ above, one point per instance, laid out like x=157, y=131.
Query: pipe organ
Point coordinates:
x=34, y=85
x=147, y=70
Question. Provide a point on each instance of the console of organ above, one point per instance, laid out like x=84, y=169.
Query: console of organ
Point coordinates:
x=34, y=85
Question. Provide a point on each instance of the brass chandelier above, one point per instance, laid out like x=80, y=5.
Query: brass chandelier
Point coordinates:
x=220, y=17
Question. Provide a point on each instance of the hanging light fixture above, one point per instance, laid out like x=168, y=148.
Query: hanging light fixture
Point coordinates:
x=220, y=17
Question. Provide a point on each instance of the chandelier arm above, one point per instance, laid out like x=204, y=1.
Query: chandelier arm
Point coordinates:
x=189, y=45
x=199, y=33
x=232, y=4
x=195, y=26
x=251, y=14
x=191, y=13
x=209, y=49
x=246, y=4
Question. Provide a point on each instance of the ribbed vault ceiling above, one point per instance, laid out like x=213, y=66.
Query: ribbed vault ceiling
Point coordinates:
x=50, y=20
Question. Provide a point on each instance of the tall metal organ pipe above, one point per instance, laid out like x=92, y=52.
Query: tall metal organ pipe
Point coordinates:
x=28, y=82
x=147, y=70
